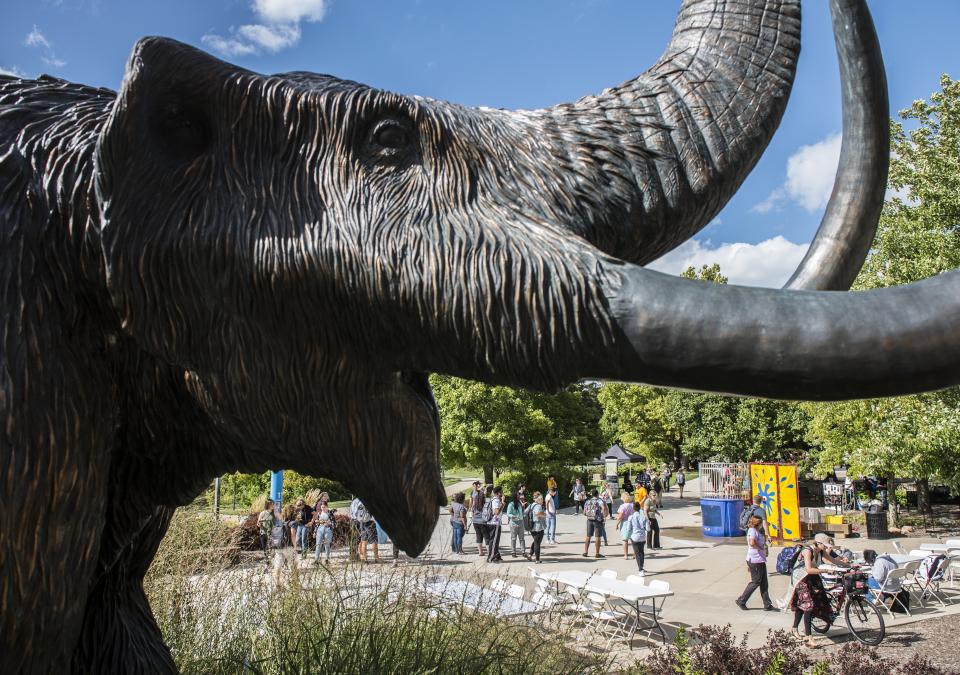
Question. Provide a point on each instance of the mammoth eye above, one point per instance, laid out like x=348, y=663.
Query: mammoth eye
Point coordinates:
x=391, y=134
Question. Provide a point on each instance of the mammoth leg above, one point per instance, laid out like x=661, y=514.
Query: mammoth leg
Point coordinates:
x=120, y=634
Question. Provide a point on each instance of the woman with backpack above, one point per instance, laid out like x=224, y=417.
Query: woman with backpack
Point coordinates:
x=515, y=511
x=757, y=552
x=651, y=508
x=809, y=598
x=538, y=524
x=637, y=523
x=681, y=480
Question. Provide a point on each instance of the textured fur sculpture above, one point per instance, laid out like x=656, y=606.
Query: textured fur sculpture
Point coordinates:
x=214, y=270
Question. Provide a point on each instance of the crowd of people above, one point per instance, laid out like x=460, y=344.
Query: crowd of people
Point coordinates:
x=309, y=528
x=531, y=517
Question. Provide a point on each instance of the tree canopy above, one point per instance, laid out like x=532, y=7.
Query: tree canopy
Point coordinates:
x=502, y=427
x=917, y=237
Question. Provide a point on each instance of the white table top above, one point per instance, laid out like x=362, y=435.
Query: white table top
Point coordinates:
x=904, y=558
x=483, y=600
x=598, y=584
x=936, y=548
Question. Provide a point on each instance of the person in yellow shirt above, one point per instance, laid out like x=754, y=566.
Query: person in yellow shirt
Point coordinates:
x=638, y=496
x=551, y=483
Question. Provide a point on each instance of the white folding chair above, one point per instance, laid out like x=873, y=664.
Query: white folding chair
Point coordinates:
x=499, y=585
x=543, y=601
x=659, y=585
x=929, y=586
x=953, y=563
x=515, y=591
x=910, y=580
x=920, y=551
x=636, y=579
x=891, y=586
x=899, y=547
x=600, y=617
x=608, y=574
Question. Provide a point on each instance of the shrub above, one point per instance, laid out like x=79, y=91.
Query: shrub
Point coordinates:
x=714, y=650
x=347, y=619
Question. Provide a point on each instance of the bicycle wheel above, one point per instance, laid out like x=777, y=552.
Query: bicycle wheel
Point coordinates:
x=819, y=625
x=864, y=620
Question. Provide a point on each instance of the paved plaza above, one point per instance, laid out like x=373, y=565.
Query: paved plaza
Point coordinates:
x=705, y=574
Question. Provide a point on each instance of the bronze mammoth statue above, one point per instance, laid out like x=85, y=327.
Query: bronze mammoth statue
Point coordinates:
x=215, y=270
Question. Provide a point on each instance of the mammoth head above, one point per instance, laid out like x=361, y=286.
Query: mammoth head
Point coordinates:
x=307, y=248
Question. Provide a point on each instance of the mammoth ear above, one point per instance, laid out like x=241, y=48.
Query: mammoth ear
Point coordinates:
x=165, y=107
x=153, y=165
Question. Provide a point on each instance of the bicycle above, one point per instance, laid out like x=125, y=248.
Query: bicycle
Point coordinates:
x=848, y=594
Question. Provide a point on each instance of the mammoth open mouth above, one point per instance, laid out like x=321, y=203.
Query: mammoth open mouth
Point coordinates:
x=418, y=383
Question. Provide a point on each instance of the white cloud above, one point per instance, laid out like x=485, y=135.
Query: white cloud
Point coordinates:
x=290, y=11
x=12, y=71
x=810, y=175
x=35, y=38
x=271, y=38
x=280, y=28
x=769, y=263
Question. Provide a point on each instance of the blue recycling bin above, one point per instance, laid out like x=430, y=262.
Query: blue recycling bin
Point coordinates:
x=721, y=517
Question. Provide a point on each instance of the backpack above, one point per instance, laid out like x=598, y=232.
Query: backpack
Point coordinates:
x=487, y=513
x=680, y=479
x=528, y=519
x=745, y=515
x=930, y=567
x=362, y=514
x=590, y=508
x=787, y=559
x=278, y=536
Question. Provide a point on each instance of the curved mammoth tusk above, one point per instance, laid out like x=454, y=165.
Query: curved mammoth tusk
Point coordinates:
x=850, y=221
x=814, y=345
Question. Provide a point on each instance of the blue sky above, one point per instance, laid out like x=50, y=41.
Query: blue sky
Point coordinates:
x=527, y=53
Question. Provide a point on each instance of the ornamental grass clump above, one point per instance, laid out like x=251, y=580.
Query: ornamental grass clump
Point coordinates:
x=220, y=618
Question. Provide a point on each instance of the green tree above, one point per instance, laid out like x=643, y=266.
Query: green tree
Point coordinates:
x=917, y=237
x=636, y=416
x=496, y=427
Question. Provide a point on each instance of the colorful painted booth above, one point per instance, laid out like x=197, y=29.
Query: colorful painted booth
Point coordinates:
x=777, y=484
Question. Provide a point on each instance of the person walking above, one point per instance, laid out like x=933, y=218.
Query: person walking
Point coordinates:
x=607, y=496
x=579, y=494
x=808, y=599
x=638, y=535
x=538, y=518
x=515, y=511
x=757, y=509
x=666, y=479
x=681, y=480
x=623, y=524
x=323, y=534
x=651, y=509
x=458, y=522
x=477, y=500
x=265, y=521
x=757, y=552
x=596, y=514
x=494, y=520
x=551, y=508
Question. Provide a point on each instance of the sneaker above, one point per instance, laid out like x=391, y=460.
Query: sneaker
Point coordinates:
x=742, y=605
x=600, y=555
x=769, y=608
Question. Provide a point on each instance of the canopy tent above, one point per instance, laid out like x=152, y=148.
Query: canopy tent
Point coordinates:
x=623, y=456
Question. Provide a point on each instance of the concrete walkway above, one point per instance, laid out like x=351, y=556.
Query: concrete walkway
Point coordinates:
x=706, y=574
